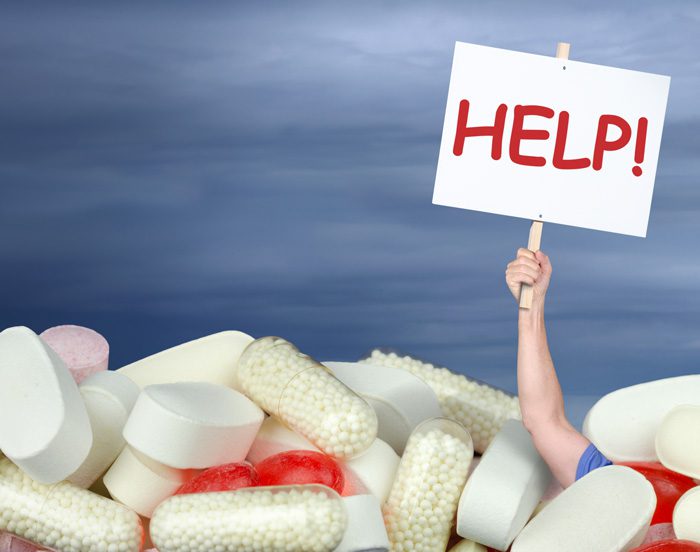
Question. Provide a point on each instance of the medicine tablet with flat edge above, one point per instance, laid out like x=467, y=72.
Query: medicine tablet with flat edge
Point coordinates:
x=678, y=440
x=109, y=398
x=623, y=424
x=44, y=428
x=365, y=531
x=607, y=510
x=686, y=516
x=193, y=424
x=401, y=400
x=504, y=489
x=84, y=351
x=212, y=358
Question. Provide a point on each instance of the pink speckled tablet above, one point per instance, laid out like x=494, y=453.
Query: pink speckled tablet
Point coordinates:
x=83, y=350
x=11, y=543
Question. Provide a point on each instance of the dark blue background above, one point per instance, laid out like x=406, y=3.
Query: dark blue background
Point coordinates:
x=168, y=170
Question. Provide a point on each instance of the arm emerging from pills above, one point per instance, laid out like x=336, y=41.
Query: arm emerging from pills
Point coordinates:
x=568, y=453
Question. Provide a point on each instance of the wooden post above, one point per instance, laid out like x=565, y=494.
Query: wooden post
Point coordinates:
x=533, y=243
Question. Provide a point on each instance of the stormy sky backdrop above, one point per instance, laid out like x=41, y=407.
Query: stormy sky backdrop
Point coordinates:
x=169, y=170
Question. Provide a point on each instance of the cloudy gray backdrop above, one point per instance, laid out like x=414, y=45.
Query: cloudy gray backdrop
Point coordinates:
x=174, y=169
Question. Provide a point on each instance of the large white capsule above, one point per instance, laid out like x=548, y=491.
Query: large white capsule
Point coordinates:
x=297, y=518
x=432, y=473
x=480, y=408
x=307, y=397
x=64, y=517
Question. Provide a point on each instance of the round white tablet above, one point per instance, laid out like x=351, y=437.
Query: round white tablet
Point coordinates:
x=213, y=358
x=678, y=440
x=686, y=516
x=504, y=490
x=365, y=530
x=44, y=428
x=109, y=398
x=607, y=510
x=401, y=400
x=623, y=424
x=193, y=424
x=141, y=483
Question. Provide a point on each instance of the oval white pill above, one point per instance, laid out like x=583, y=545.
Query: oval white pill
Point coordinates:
x=45, y=429
x=623, y=424
x=192, y=424
x=307, y=397
x=480, y=408
x=504, y=490
x=401, y=400
x=423, y=501
x=686, y=516
x=64, y=517
x=109, y=398
x=607, y=510
x=141, y=483
x=84, y=351
x=678, y=440
x=212, y=358
x=301, y=518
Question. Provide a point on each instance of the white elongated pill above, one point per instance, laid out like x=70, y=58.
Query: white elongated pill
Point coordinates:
x=420, y=510
x=480, y=408
x=608, y=510
x=109, y=398
x=678, y=440
x=401, y=400
x=372, y=471
x=307, y=397
x=192, y=424
x=84, y=351
x=44, y=426
x=212, y=358
x=141, y=483
x=365, y=531
x=504, y=490
x=299, y=518
x=64, y=517
x=467, y=545
x=623, y=424
x=686, y=516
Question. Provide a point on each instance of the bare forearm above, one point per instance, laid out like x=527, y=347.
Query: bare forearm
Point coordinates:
x=540, y=394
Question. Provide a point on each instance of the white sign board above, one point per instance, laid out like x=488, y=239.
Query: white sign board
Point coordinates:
x=550, y=139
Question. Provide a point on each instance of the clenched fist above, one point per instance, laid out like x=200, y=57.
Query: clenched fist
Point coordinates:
x=529, y=268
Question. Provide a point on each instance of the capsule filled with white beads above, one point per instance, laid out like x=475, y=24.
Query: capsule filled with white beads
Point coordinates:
x=307, y=397
x=65, y=517
x=479, y=407
x=294, y=518
x=423, y=501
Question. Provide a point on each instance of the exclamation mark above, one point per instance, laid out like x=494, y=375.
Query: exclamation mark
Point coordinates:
x=639, y=147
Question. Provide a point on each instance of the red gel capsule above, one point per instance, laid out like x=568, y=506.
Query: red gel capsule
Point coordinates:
x=668, y=485
x=227, y=477
x=300, y=467
x=669, y=545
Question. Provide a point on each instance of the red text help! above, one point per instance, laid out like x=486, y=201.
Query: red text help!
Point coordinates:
x=519, y=133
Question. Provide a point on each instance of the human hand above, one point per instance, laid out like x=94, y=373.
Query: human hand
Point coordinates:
x=533, y=269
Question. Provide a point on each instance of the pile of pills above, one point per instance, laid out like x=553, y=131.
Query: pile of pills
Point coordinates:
x=482, y=409
x=233, y=444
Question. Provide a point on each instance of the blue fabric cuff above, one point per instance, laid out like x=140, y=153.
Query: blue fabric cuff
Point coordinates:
x=591, y=459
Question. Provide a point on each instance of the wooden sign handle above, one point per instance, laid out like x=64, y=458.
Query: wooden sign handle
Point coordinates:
x=533, y=243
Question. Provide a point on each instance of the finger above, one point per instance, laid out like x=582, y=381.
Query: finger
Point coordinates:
x=534, y=272
x=521, y=278
x=526, y=261
x=524, y=252
x=544, y=261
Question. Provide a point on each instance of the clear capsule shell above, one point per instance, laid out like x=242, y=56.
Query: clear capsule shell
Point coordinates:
x=295, y=518
x=64, y=517
x=432, y=473
x=307, y=397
